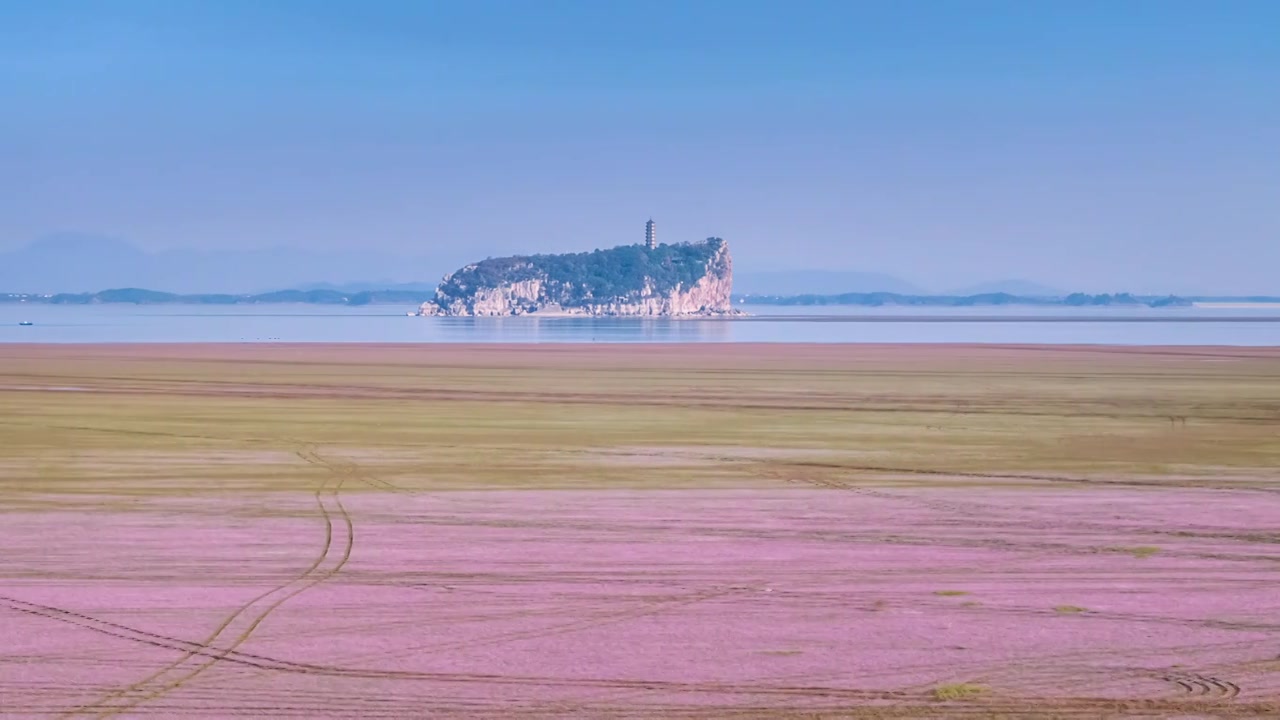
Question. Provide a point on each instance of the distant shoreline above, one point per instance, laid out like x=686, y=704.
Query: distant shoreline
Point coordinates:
x=1238, y=305
x=1073, y=300
x=140, y=296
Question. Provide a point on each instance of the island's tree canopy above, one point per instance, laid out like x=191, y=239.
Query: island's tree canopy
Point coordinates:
x=600, y=275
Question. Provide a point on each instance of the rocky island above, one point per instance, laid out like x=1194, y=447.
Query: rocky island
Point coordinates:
x=685, y=279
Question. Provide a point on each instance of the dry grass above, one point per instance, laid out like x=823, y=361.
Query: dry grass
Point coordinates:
x=1142, y=551
x=957, y=691
x=433, y=417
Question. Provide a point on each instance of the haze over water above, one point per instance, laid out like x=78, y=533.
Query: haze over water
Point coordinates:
x=307, y=323
x=1087, y=146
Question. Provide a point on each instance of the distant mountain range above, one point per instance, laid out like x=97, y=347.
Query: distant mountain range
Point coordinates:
x=139, y=296
x=83, y=263
x=879, y=299
x=835, y=282
x=366, y=287
x=1024, y=288
x=818, y=282
x=414, y=298
x=73, y=263
x=74, y=268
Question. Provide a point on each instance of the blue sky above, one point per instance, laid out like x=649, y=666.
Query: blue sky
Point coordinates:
x=1126, y=144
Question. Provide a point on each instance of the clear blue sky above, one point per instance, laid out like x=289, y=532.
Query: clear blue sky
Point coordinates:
x=1123, y=144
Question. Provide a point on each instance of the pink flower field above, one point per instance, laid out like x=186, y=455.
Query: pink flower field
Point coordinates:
x=648, y=603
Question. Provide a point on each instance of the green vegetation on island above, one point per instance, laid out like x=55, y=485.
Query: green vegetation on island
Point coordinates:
x=577, y=278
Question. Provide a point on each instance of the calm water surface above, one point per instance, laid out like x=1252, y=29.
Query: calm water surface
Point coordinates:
x=310, y=323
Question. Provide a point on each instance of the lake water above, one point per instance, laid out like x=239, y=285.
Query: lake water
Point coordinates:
x=311, y=323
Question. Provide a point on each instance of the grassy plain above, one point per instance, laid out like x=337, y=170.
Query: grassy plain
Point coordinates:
x=84, y=419
x=207, y=523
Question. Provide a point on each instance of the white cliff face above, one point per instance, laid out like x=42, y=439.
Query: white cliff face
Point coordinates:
x=516, y=298
x=710, y=295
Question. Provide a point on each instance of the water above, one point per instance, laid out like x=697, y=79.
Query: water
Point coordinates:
x=311, y=323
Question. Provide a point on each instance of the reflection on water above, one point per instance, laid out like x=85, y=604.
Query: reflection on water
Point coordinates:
x=532, y=329
x=307, y=323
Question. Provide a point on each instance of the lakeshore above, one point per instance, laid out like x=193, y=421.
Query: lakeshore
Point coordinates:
x=111, y=323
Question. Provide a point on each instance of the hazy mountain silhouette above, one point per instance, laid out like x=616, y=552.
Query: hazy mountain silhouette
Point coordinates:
x=818, y=282
x=72, y=262
x=836, y=282
x=370, y=286
x=1022, y=288
x=78, y=262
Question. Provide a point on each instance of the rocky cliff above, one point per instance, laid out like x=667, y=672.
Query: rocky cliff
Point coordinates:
x=669, y=280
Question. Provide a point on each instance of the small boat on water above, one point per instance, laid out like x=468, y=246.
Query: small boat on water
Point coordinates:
x=26, y=322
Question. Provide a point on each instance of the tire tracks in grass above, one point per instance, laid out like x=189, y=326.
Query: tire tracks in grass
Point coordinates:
x=342, y=471
x=1033, y=477
x=1203, y=686
x=961, y=407
x=335, y=551
x=1046, y=676
x=904, y=703
x=345, y=468
x=973, y=514
x=261, y=662
x=144, y=637
x=644, y=609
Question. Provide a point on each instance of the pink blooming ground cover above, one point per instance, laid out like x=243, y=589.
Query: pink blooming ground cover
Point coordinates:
x=1077, y=601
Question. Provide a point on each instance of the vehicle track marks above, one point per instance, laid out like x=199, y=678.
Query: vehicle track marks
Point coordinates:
x=1203, y=694
x=236, y=629
x=1202, y=685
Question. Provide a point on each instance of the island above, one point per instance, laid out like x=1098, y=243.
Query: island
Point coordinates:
x=692, y=279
